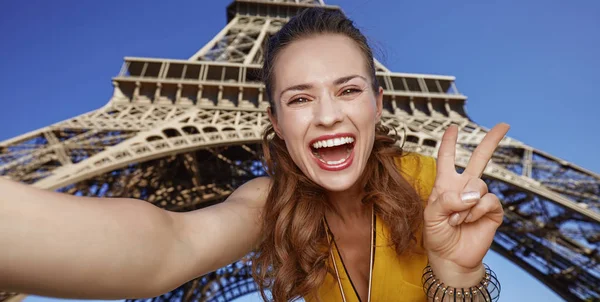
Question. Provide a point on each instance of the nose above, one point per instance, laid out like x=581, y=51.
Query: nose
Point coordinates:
x=328, y=111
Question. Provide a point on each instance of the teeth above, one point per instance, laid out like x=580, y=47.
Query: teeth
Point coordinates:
x=337, y=162
x=333, y=142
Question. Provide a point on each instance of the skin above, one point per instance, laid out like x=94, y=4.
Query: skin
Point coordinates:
x=154, y=251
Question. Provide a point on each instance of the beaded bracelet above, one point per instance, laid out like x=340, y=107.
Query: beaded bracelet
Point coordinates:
x=487, y=290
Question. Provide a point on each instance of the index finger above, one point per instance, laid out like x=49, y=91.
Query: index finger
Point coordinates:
x=447, y=152
x=484, y=151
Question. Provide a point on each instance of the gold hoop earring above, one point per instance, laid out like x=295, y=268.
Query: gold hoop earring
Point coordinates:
x=404, y=133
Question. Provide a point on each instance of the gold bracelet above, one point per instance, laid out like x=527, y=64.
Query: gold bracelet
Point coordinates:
x=488, y=289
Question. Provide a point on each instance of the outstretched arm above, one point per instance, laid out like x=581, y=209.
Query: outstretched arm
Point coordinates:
x=60, y=245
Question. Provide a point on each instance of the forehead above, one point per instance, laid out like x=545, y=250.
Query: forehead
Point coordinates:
x=318, y=59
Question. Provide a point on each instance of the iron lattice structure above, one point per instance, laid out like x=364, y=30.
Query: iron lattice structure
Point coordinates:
x=183, y=134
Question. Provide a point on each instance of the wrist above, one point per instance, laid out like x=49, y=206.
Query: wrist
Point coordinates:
x=454, y=275
x=488, y=288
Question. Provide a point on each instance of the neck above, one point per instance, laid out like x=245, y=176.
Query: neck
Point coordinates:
x=347, y=205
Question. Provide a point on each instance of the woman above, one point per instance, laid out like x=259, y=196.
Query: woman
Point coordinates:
x=345, y=216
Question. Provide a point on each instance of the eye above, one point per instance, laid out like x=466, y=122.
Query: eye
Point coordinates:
x=298, y=101
x=350, y=91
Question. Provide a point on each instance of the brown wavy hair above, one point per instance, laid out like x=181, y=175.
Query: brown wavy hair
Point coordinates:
x=292, y=257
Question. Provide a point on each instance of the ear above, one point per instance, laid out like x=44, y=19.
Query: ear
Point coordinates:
x=273, y=120
x=379, y=104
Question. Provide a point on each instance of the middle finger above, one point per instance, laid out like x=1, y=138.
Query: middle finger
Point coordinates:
x=484, y=151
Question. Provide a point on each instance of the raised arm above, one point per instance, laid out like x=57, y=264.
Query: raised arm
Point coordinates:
x=60, y=245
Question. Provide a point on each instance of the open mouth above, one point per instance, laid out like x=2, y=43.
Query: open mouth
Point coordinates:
x=333, y=152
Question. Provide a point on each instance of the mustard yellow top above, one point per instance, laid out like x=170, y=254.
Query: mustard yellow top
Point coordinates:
x=395, y=277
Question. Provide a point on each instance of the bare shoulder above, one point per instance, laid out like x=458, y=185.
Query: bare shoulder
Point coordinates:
x=254, y=192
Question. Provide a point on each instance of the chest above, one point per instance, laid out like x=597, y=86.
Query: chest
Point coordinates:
x=393, y=275
x=354, y=249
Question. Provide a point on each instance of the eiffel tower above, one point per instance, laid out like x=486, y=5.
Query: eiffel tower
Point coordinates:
x=183, y=134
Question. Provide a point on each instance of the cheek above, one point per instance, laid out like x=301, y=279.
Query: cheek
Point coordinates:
x=364, y=113
x=293, y=127
x=364, y=117
x=294, y=124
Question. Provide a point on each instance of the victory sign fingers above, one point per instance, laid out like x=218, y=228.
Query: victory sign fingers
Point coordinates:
x=468, y=184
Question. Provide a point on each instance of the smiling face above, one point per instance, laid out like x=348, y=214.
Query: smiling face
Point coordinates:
x=325, y=108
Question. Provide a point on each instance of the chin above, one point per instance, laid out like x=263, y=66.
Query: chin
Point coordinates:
x=337, y=182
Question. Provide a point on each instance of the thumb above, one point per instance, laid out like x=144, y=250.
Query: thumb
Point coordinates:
x=450, y=204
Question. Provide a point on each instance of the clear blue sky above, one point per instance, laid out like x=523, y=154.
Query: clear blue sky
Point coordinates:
x=533, y=64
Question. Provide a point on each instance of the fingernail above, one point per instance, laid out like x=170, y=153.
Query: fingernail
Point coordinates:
x=470, y=197
x=453, y=221
x=469, y=217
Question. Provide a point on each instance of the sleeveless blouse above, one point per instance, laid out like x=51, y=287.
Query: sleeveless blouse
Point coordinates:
x=395, y=277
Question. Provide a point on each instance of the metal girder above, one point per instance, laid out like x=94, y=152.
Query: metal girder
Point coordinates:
x=181, y=182
x=183, y=134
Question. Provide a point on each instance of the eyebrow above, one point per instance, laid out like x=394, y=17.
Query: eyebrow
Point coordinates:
x=337, y=82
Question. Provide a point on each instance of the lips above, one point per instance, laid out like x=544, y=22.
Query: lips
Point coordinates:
x=333, y=152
